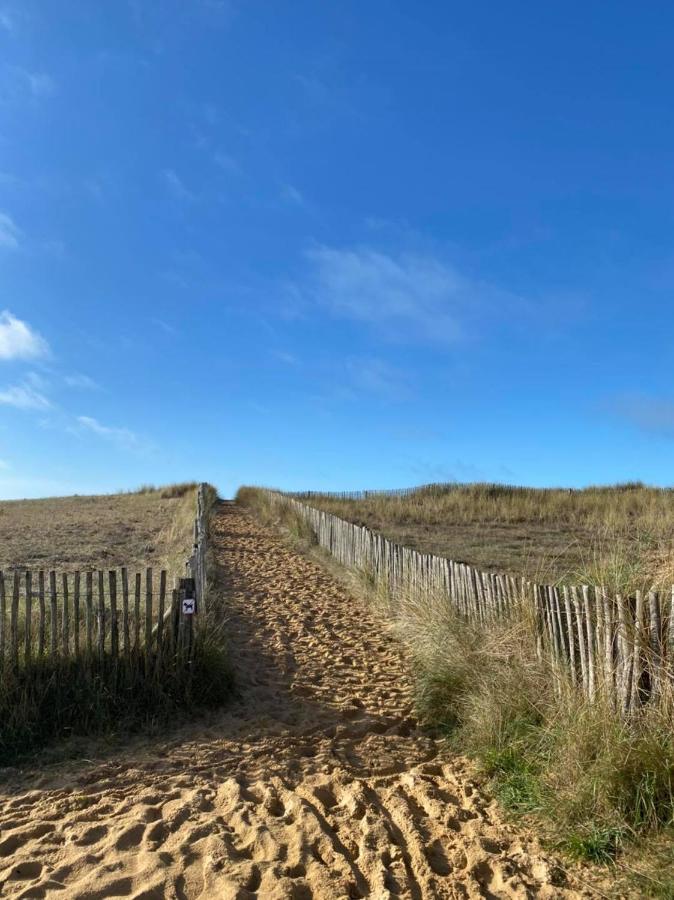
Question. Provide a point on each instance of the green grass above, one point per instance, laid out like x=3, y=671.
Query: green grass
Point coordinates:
x=68, y=698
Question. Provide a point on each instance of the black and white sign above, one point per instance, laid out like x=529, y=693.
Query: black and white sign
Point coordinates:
x=189, y=606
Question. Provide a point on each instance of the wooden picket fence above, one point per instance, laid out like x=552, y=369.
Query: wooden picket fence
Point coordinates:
x=93, y=615
x=620, y=648
x=114, y=615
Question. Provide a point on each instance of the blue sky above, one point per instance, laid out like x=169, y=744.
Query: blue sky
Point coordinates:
x=335, y=245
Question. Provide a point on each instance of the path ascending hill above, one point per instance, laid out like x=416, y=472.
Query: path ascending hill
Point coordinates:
x=316, y=783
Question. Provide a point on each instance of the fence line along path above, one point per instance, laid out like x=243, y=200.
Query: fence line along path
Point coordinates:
x=50, y=617
x=617, y=647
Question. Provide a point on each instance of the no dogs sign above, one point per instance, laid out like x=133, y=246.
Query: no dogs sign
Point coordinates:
x=189, y=606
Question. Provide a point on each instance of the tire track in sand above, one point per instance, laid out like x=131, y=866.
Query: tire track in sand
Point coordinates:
x=314, y=783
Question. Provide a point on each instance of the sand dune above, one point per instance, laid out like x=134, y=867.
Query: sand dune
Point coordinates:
x=315, y=783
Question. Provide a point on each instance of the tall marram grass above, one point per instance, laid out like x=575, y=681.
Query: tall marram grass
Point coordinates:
x=549, y=534
x=597, y=782
x=74, y=697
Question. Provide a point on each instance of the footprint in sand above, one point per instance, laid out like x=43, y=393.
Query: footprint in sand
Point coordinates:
x=315, y=783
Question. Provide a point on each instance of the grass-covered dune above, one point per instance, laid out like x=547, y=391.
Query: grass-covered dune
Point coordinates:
x=146, y=527
x=621, y=536
x=600, y=786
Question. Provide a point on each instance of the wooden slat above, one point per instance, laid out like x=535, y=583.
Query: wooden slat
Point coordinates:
x=14, y=622
x=43, y=614
x=125, y=611
x=609, y=639
x=637, y=638
x=89, y=600
x=3, y=613
x=101, y=614
x=76, y=613
x=148, y=615
x=54, y=619
x=580, y=631
x=66, y=615
x=136, y=613
x=571, y=636
x=589, y=636
x=657, y=656
x=28, y=620
x=114, y=633
x=624, y=656
x=162, y=602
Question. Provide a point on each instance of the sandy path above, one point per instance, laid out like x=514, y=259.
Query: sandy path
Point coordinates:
x=315, y=783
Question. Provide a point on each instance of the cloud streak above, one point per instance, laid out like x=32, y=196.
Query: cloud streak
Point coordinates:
x=10, y=233
x=20, y=84
x=82, y=382
x=23, y=396
x=176, y=187
x=18, y=340
x=123, y=437
x=407, y=297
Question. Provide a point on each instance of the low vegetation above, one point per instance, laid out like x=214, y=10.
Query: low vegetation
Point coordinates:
x=147, y=527
x=64, y=696
x=601, y=787
x=621, y=536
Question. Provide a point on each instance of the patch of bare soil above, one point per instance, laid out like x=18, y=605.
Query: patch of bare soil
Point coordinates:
x=315, y=783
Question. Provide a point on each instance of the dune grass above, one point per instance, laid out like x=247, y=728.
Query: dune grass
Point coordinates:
x=56, y=698
x=598, y=787
x=621, y=536
x=146, y=527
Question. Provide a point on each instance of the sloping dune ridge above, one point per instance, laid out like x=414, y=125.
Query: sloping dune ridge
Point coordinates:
x=315, y=783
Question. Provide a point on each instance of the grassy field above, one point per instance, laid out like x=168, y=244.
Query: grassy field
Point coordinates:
x=621, y=535
x=148, y=527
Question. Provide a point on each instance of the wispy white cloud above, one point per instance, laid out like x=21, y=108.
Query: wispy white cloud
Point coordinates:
x=175, y=185
x=20, y=84
x=18, y=340
x=23, y=396
x=165, y=326
x=83, y=382
x=406, y=296
x=289, y=359
x=123, y=437
x=290, y=194
x=10, y=233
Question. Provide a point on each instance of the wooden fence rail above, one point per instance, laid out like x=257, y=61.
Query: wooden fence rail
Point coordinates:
x=621, y=648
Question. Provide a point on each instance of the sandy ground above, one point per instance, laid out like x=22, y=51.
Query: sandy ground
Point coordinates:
x=315, y=783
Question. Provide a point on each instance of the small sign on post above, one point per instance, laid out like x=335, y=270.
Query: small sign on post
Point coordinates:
x=189, y=606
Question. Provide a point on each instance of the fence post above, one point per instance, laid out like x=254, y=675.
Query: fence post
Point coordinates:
x=14, y=622
x=3, y=604
x=28, y=637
